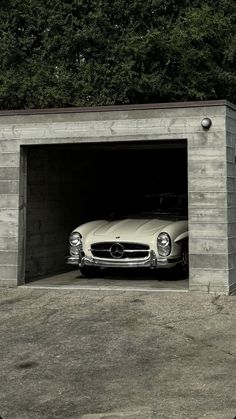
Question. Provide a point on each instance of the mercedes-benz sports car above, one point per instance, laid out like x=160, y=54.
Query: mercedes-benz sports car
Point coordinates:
x=155, y=236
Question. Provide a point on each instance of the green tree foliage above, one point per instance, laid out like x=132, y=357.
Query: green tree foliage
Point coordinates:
x=100, y=52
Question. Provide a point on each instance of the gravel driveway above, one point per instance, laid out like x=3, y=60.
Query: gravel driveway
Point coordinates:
x=102, y=354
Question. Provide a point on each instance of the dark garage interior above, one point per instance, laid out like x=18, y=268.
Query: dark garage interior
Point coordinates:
x=75, y=183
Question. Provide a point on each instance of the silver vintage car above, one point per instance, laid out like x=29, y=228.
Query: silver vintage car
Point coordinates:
x=154, y=236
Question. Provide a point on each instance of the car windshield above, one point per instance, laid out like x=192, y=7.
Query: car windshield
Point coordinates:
x=168, y=206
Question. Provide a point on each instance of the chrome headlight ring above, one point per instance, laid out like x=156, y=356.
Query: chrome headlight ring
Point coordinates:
x=163, y=244
x=74, y=251
x=75, y=238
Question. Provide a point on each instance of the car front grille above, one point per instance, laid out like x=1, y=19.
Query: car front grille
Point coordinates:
x=121, y=250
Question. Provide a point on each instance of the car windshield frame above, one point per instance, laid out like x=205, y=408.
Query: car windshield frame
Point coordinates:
x=166, y=207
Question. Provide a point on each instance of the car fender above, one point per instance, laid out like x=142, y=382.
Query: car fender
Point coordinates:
x=181, y=237
x=86, y=228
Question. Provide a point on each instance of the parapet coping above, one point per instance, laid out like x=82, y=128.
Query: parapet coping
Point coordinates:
x=116, y=108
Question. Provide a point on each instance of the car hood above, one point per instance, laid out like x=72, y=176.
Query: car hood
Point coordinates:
x=129, y=227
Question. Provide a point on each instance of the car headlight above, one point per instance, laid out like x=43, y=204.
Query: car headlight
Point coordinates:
x=163, y=244
x=75, y=239
x=74, y=251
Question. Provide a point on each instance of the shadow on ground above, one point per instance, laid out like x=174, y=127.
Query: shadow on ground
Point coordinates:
x=124, y=279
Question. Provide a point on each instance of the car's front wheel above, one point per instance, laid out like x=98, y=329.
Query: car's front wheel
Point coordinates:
x=185, y=258
x=90, y=271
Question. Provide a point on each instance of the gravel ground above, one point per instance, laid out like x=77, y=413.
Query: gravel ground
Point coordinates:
x=102, y=354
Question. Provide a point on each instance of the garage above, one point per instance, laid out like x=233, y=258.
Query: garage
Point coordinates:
x=61, y=167
x=67, y=185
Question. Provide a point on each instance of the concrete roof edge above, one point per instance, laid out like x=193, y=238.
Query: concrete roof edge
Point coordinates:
x=110, y=108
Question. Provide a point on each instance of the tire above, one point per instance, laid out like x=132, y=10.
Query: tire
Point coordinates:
x=90, y=271
x=185, y=258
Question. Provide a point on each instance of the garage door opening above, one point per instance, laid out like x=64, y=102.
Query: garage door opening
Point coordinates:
x=67, y=185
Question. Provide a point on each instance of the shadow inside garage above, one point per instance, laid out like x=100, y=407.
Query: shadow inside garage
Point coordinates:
x=121, y=279
x=68, y=185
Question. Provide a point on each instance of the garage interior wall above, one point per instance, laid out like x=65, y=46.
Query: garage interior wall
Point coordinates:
x=69, y=185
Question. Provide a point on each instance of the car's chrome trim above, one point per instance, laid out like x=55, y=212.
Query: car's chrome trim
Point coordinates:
x=72, y=260
x=151, y=261
x=126, y=250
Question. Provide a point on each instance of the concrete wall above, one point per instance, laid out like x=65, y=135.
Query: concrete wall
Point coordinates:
x=231, y=197
x=46, y=222
x=211, y=183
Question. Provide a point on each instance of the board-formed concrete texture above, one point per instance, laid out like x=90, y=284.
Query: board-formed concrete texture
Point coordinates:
x=211, y=175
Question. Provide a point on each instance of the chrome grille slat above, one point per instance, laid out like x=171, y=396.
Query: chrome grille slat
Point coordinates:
x=127, y=251
x=127, y=245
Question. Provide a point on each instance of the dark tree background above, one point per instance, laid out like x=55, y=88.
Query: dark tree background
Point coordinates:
x=99, y=52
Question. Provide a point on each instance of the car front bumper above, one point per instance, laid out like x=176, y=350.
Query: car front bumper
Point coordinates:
x=150, y=262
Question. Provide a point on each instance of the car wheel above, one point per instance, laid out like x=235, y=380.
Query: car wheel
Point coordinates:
x=185, y=258
x=90, y=271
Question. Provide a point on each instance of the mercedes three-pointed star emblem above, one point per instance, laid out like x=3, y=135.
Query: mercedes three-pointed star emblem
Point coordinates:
x=117, y=250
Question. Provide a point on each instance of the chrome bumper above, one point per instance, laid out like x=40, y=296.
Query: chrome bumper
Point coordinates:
x=150, y=262
x=72, y=260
